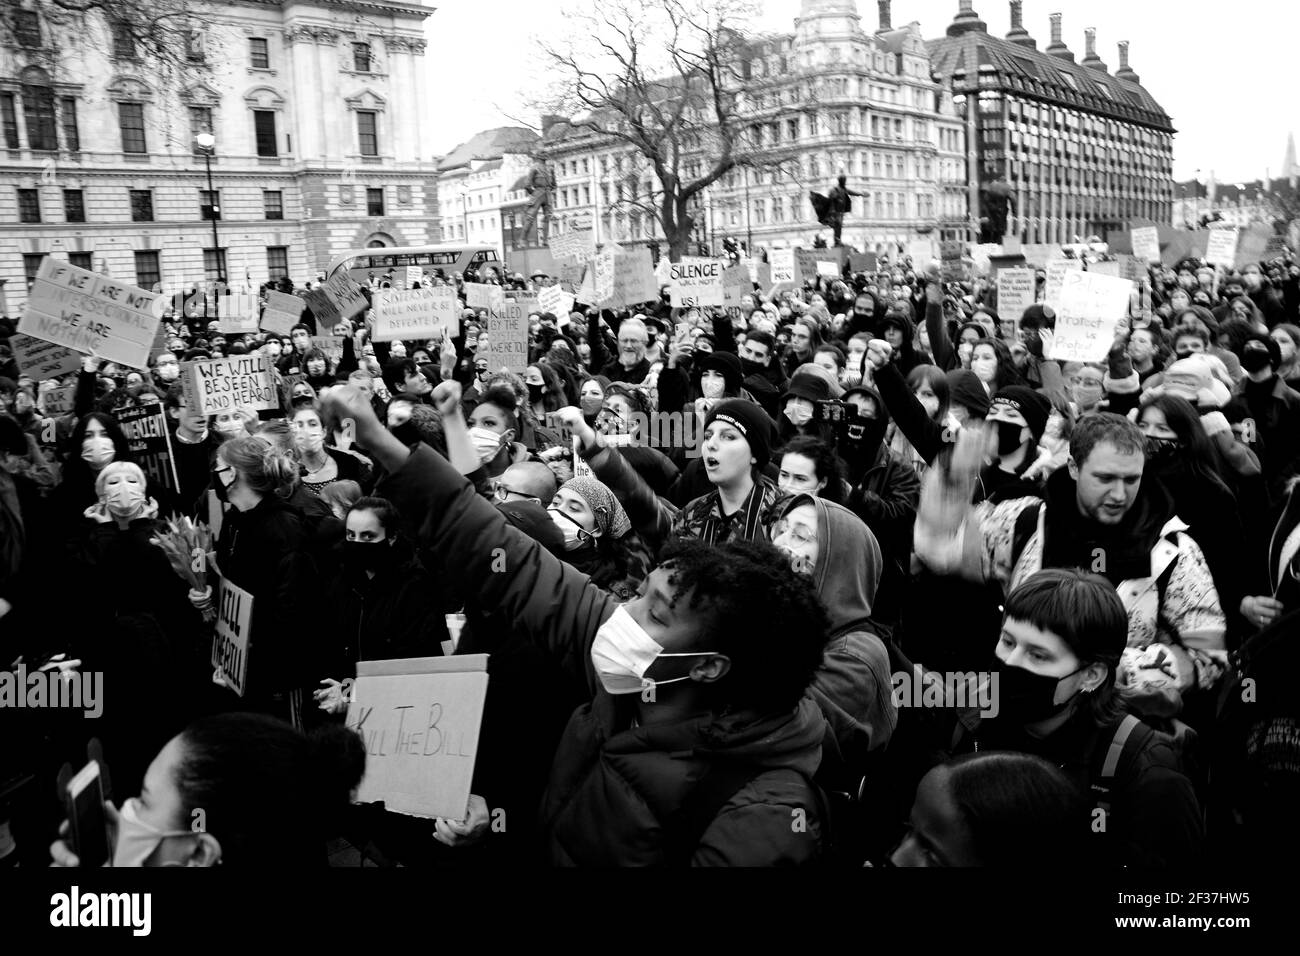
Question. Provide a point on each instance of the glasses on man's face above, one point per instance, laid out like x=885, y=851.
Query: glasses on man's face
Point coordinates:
x=797, y=534
x=502, y=493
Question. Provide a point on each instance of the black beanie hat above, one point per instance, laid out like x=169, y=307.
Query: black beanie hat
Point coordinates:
x=1033, y=405
x=751, y=421
x=965, y=389
x=728, y=364
x=810, y=387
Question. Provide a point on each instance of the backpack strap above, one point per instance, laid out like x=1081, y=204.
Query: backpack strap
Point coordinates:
x=684, y=827
x=1122, y=733
x=1026, y=525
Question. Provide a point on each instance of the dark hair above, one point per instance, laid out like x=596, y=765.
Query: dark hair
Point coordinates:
x=826, y=464
x=1007, y=373
x=269, y=795
x=835, y=352
x=316, y=355
x=75, y=468
x=384, y=510
x=503, y=397
x=1085, y=611
x=1091, y=430
x=1198, y=452
x=295, y=328
x=769, y=622
x=762, y=338
x=638, y=399
x=1195, y=331
x=814, y=332
x=1020, y=810
x=933, y=376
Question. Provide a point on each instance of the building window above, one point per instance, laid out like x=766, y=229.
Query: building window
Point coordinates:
x=148, y=273
x=9, y=119
x=361, y=57
x=214, y=265
x=258, y=54
x=194, y=48
x=277, y=262
x=38, y=110
x=29, y=205
x=130, y=118
x=123, y=41
x=27, y=28
x=264, y=128
x=82, y=260
x=367, y=133
x=68, y=117
x=74, y=206
x=210, y=204
x=200, y=122
x=31, y=266
x=273, y=203
x=375, y=202
x=141, y=205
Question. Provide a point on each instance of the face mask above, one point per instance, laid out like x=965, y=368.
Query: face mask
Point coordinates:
x=751, y=367
x=712, y=387
x=310, y=444
x=230, y=427
x=797, y=414
x=125, y=500
x=1027, y=698
x=575, y=535
x=1161, y=449
x=97, y=452
x=622, y=652
x=984, y=369
x=851, y=377
x=168, y=373
x=591, y=405
x=1010, y=438
x=220, y=486
x=136, y=840
x=1254, y=360
x=486, y=442
x=535, y=392
x=359, y=556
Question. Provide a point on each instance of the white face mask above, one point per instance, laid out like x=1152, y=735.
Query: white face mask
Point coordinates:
x=136, y=840
x=713, y=387
x=97, y=451
x=310, y=444
x=486, y=442
x=230, y=427
x=622, y=652
x=798, y=414
x=575, y=536
x=984, y=368
x=125, y=499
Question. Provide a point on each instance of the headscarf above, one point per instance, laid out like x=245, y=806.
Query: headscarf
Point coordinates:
x=611, y=520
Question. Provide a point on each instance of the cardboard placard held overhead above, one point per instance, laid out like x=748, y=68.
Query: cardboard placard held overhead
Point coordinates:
x=236, y=313
x=952, y=261
x=330, y=345
x=507, y=329
x=921, y=252
x=696, y=282
x=150, y=442
x=783, y=266
x=419, y=720
x=218, y=385
x=232, y=638
x=805, y=262
x=735, y=283
x=1254, y=245
x=602, y=272
x=1056, y=270
x=1109, y=267
x=414, y=274
x=346, y=295
x=555, y=300
x=1091, y=306
x=91, y=313
x=59, y=400
x=283, y=311
x=828, y=269
x=1221, y=248
x=480, y=295
x=1146, y=243
x=417, y=314
x=41, y=359
x=634, y=278
x=1016, y=290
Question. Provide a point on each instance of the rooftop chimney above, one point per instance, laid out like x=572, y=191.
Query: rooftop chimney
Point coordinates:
x=1018, y=32
x=1125, y=72
x=967, y=20
x=1058, y=47
x=1091, y=59
x=885, y=21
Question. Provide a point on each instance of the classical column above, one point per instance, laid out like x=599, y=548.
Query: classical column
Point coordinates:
x=300, y=45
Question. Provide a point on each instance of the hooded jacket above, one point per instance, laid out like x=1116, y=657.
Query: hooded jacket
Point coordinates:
x=852, y=686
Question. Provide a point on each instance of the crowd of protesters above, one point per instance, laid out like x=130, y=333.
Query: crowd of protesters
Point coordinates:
x=708, y=551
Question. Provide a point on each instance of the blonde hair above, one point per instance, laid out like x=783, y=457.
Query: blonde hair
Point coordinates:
x=264, y=466
x=117, y=468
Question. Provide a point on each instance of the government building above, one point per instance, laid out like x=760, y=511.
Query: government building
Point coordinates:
x=320, y=142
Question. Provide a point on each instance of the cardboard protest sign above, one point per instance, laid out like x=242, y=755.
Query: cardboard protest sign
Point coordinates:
x=953, y=267
x=283, y=311
x=782, y=263
x=763, y=275
x=1056, y=270
x=555, y=300
x=582, y=244
x=1091, y=306
x=805, y=261
x=346, y=296
x=219, y=385
x=862, y=262
x=602, y=271
x=1221, y=248
x=41, y=359
x=634, y=278
x=417, y=314
x=230, y=641
x=1106, y=268
x=828, y=269
x=507, y=329
x=921, y=252
x=480, y=295
x=419, y=720
x=414, y=274
x=1131, y=267
x=695, y=282
x=59, y=400
x=322, y=309
x=735, y=283
x=1146, y=243
x=1253, y=246
x=1016, y=289
x=91, y=313
x=1275, y=248
x=236, y=313
x=150, y=442
x=287, y=382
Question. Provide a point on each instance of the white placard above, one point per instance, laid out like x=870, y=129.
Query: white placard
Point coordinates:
x=1091, y=306
x=1146, y=243
x=1056, y=270
x=695, y=282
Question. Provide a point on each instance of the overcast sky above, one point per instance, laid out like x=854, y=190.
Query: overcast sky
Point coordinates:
x=1227, y=74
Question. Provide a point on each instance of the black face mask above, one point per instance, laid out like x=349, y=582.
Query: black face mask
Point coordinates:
x=535, y=392
x=359, y=556
x=867, y=432
x=1254, y=360
x=1162, y=450
x=1009, y=438
x=1027, y=698
x=219, y=486
x=750, y=367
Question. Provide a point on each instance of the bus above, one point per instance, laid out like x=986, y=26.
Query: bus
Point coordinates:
x=362, y=264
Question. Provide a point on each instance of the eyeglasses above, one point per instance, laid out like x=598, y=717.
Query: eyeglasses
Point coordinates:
x=797, y=533
x=502, y=493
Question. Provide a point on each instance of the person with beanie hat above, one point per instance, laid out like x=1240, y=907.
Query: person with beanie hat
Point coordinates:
x=967, y=398
x=799, y=405
x=1275, y=409
x=1019, y=418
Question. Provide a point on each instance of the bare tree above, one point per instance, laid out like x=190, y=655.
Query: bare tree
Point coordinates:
x=664, y=79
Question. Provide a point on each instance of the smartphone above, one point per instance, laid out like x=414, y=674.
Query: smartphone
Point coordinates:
x=835, y=411
x=88, y=824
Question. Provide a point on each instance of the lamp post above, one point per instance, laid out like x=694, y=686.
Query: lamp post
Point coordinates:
x=208, y=144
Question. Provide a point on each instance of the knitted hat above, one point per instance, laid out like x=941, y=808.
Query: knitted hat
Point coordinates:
x=728, y=364
x=810, y=387
x=1032, y=405
x=965, y=389
x=611, y=519
x=751, y=421
x=808, y=368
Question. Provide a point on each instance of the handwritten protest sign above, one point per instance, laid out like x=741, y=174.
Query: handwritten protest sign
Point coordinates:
x=346, y=296
x=555, y=300
x=59, y=400
x=1146, y=243
x=41, y=359
x=1056, y=270
x=634, y=277
x=782, y=263
x=236, y=313
x=695, y=282
x=1222, y=246
x=1091, y=305
x=480, y=295
x=602, y=270
x=331, y=345
x=150, y=442
x=287, y=382
x=1253, y=246
x=921, y=252
x=1109, y=267
x=1016, y=288
x=805, y=263
x=419, y=720
x=952, y=263
x=283, y=311
x=417, y=314
x=507, y=329
x=828, y=269
x=219, y=385
x=91, y=313
x=862, y=262
x=735, y=283
x=414, y=274
x=230, y=641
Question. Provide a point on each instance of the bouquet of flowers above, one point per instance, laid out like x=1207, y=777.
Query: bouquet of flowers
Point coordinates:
x=187, y=545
